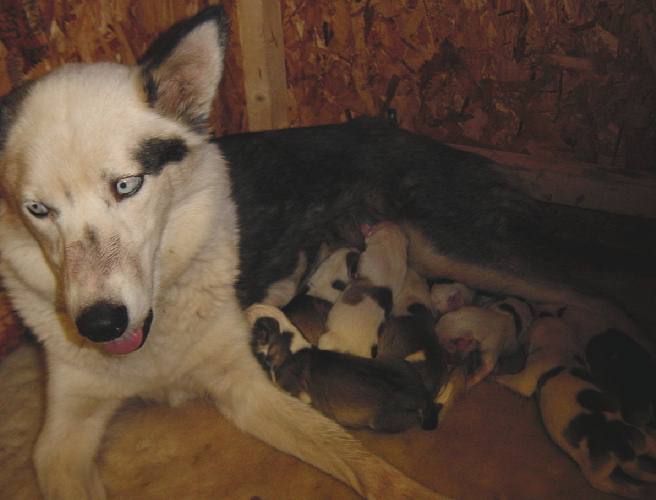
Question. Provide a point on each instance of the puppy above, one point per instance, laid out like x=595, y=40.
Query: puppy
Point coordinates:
x=356, y=318
x=447, y=295
x=585, y=422
x=308, y=311
x=408, y=333
x=581, y=418
x=494, y=330
x=386, y=396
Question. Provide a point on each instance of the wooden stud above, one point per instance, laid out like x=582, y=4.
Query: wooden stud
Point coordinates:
x=263, y=52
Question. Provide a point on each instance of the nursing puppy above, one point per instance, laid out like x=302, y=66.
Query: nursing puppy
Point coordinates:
x=357, y=317
x=408, y=333
x=131, y=242
x=308, y=311
x=386, y=396
x=494, y=330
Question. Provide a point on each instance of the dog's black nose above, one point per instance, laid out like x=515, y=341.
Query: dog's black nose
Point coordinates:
x=102, y=322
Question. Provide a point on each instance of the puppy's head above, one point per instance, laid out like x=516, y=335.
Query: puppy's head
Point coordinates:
x=94, y=158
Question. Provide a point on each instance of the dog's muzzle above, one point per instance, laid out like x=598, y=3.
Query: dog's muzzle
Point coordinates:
x=106, y=323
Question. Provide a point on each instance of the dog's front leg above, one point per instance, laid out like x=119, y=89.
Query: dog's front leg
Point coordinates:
x=244, y=395
x=75, y=421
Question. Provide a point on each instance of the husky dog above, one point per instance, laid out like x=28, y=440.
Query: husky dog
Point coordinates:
x=121, y=249
x=131, y=243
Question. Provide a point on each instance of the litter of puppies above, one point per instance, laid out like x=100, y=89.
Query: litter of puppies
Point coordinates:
x=372, y=344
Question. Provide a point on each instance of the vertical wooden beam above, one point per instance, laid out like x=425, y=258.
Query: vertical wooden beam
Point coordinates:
x=263, y=52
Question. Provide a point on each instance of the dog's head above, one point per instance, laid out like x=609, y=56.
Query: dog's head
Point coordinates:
x=94, y=158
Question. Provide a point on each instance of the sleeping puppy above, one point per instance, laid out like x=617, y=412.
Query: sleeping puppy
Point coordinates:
x=494, y=330
x=618, y=363
x=581, y=418
x=386, y=396
x=408, y=333
x=447, y=295
x=626, y=370
x=308, y=311
x=356, y=318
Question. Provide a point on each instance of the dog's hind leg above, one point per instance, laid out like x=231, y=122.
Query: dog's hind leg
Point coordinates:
x=518, y=275
x=259, y=408
x=75, y=422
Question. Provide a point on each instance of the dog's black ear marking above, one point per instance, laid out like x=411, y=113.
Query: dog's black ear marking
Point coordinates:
x=182, y=68
x=154, y=153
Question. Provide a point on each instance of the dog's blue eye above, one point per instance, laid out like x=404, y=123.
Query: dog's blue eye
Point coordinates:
x=128, y=185
x=37, y=209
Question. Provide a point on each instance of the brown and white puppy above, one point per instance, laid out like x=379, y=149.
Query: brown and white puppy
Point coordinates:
x=494, y=330
x=356, y=318
x=308, y=311
x=408, y=332
x=383, y=395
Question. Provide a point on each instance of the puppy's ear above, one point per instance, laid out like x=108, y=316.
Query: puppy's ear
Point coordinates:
x=182, y=68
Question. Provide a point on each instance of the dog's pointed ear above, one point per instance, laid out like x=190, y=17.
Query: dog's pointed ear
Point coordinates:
x=181, y=70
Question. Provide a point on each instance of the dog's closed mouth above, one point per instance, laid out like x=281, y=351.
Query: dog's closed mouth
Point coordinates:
x=129, y=341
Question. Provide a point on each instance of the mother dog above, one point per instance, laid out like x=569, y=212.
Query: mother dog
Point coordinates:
x=130, y=244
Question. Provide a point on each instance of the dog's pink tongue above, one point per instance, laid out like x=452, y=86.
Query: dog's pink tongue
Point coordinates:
x=126, y=343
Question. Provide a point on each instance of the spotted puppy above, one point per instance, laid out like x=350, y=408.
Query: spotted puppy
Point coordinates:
x=356, y=318
x=408, y=333
x=308, y=310
x=383, y=395
x=581, y=418
x=493, y=330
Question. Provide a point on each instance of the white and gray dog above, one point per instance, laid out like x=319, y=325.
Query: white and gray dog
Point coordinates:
x=131, y=242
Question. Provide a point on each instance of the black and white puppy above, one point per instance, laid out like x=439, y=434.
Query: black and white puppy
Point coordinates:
x=356, y=318
x=308, y=310
x=582, y=418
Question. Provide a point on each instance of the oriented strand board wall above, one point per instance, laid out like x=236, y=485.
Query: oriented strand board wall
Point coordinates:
x=567, y=79
x=573, y=79
x=39, y=35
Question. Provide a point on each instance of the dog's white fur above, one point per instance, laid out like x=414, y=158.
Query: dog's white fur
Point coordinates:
x=172, y=247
